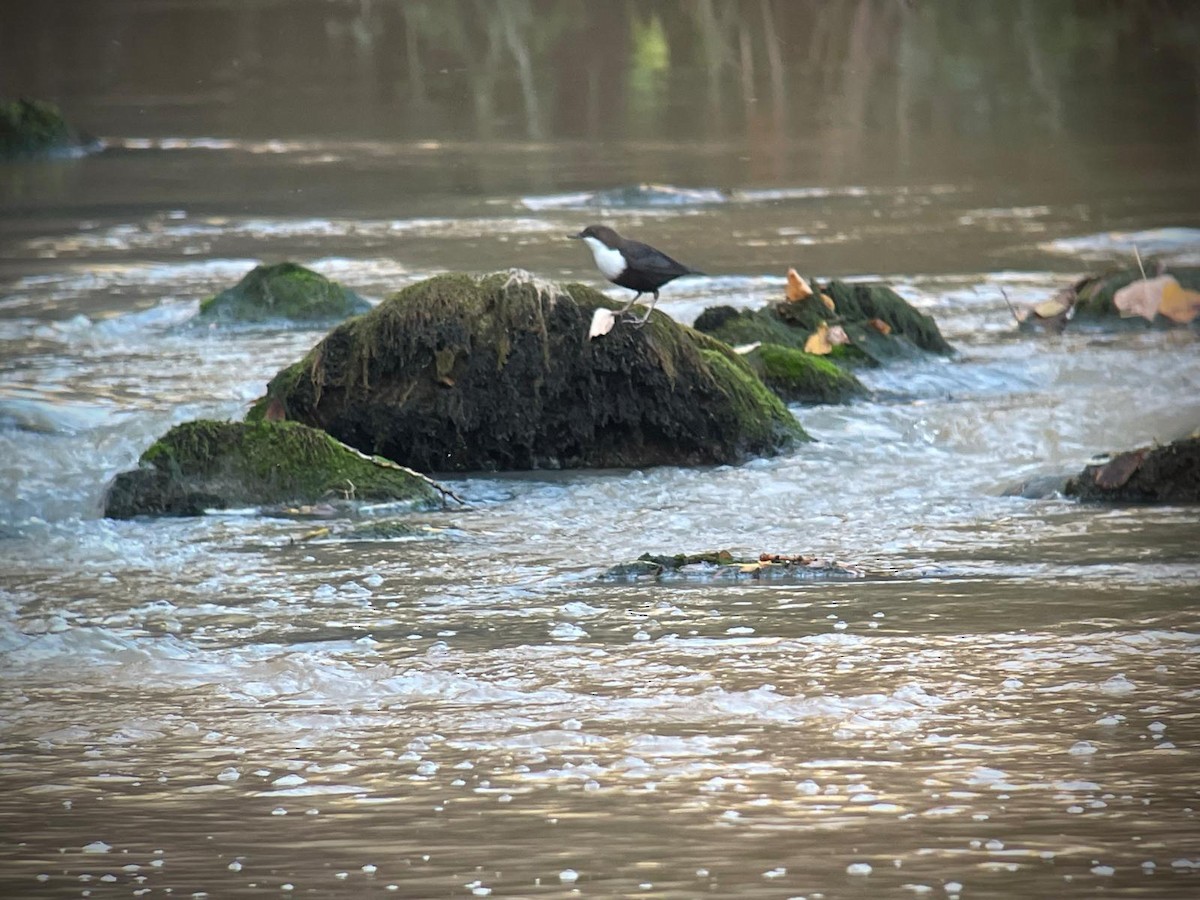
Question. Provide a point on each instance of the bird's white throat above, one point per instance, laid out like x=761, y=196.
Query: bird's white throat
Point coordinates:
x=609, y=261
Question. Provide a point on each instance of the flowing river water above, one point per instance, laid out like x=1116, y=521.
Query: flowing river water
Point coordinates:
x=1004, y=706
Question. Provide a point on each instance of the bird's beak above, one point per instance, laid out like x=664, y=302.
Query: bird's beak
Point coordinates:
x=576, y=237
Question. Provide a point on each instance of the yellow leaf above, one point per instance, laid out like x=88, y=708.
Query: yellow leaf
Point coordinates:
x=828, y=301
x=1048, y=309
x=797, y=287
x=818, y=342
x=1142, y=297
x=1178, y=304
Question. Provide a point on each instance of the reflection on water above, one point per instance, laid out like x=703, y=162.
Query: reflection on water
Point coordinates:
x=1002, y=707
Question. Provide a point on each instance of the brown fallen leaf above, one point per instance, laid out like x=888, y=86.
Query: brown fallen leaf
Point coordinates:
x=797, y=287
x=828, y=301
x=1179, y=304
x=881, y=326
x=818, y=342
x=276, y=411
x=1143, y=297
x=1115, y=473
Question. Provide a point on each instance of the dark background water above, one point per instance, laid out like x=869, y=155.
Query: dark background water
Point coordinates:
x=429, y=108
x=226, y=705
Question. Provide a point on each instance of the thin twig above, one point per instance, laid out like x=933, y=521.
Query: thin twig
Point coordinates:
x=1011, y=308
x=1138, y=257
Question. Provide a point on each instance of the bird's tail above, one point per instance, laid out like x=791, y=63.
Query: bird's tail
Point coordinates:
x=696, y=272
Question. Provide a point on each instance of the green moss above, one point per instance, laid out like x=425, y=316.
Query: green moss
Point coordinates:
x=750, y=399
x=255, y=463
x=799, y=377
x=747, y=326
x=36, y=128
x=285, y=291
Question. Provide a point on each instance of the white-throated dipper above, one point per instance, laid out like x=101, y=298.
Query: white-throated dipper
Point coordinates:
x=631, y=264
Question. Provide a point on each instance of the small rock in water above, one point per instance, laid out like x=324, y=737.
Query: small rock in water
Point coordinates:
x=858, y=869
x=1082, y=748
x=97, y=847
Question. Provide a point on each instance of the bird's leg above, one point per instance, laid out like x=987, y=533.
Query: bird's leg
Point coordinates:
x=642, y=321
x=624, y=309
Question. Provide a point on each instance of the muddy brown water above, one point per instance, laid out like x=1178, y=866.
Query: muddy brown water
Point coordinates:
x=1004, y=707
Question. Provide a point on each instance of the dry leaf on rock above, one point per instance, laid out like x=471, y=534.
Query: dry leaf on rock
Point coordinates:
x=1120, y=470
x=797, y=287
x=1179, y=304
x=1143, y=297
x=1048, y=309
x=602, y=322
x=828, y=301
x=881, y=326
x=818, y=342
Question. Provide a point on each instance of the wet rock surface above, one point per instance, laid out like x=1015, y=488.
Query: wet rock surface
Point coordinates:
x=498, y=373
x=205, y=465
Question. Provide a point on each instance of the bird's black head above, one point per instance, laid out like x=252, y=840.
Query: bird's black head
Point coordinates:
x=602, y=233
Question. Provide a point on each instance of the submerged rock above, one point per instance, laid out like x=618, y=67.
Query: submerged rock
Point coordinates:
x=880, y=324
x=1093, y=301
x=218, y=465
x=286, y=291
x=36, y=129
x=722, y=564
x=458, y=373
x=1162, y=474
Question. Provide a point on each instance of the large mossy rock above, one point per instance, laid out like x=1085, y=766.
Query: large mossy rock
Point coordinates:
x=218, y=465
x=1163, y=474
x=282, y=292
x=458, y=374
x=33, y=129
x=882, y=326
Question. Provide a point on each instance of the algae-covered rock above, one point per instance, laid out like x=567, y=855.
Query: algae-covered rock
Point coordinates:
x=36, y=129
x=217, y=465
x=457, y=373
x=880, y=324
x=286, y=291
x=1169, y=473
x=722, y=564
x=799, y=377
